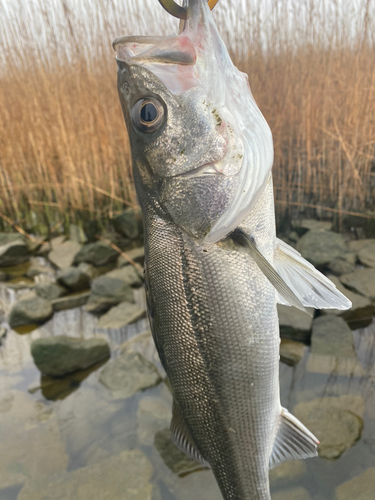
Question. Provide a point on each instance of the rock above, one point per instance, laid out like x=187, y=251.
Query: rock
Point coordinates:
x=50, y=290
x=331, y=336
x=287, y=473
x=57, y=241
x=74, y=278
x=13, y=252
x=361, y=312
x=321, y=247
x=94, y=272
x=3, y=333
x=121, y=315
x=31, y=444
x=336, y=422
x=367, y=254
x=357, y=245
x=361, y=281
x=63, y=254
x=145, y=345
x=112, y=288
x=293, y=236
x=176, y=460
x=359, y=488
x=128, y=223
x=294, y=324
x=291, y=352
x=341, y=266
x=36, y=268
x=56, y=356
x=98, y=254
x=71, y=301
x=128, y=374
x=312, y=225
x=77, y=234
x=30, y=310
x=136, y=255
x=292, y=494
x=153, y=415
x=126, y=476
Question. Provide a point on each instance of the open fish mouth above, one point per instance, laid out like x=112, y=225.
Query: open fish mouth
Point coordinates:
x=197, y=61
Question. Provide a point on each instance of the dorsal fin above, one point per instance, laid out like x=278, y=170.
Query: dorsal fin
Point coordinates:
x=182, y=438
x=293, y=441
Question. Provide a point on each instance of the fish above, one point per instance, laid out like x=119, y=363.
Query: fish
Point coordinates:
x=202, y=156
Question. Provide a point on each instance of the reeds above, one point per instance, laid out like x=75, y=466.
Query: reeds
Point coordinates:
x=63, y=143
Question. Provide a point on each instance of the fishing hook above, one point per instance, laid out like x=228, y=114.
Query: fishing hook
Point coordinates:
x=180, y=12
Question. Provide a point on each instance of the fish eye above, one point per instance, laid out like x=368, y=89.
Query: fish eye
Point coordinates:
x=147, y=115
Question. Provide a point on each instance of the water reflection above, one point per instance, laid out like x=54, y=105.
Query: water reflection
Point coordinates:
x=57, y=434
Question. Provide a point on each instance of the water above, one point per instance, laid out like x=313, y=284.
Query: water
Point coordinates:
x=54, y=433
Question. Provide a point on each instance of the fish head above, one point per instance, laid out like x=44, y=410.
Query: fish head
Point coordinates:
x=199, y=142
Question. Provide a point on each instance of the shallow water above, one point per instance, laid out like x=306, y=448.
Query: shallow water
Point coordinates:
x=48, y=427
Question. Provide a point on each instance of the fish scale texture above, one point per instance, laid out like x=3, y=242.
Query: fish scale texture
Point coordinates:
x=216, y=329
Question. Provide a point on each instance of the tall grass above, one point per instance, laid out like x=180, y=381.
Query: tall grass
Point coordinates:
x=63, y=143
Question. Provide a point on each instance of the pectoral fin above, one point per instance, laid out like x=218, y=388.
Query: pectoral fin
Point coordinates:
x=246, y=241
x=293, y=441
x=311, y=287
x=182, y=437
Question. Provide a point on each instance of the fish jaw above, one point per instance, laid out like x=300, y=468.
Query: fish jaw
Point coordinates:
x=212, y=124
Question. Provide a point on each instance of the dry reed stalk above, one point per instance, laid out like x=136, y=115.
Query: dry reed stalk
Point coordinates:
x=63, y=142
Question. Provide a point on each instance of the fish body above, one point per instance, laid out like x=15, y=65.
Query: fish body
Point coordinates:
x=202, y=156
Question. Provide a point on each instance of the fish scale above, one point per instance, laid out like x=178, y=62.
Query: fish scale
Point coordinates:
x=217, y=348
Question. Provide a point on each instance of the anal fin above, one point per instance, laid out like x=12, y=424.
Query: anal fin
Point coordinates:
x=293, y=441
x=182, y=437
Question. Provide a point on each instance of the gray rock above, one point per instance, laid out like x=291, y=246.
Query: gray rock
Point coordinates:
x=293, y=236
x=71, y=301
x=13, y=253
x=63, y=252
x=145, y=345
x=74, y=278
x=287, y=473
x=112, y=288
x=128, y=223
x=361, y=312
x=153, y=415
x=294, y=324
x=77, y=234
x=98, y=254
x=367, y=255
x=357, y=245
x=173, y=458
x=128, y=374
x=291, y=352
x=126, y=476
x=93, y=271
x=321, y=247
x=121, y=315
x=30, y=310
x=341, y=266
x=331, y=336
x=136, y=254
x=336, y=422
x=298, y=493
x=359, y=488
x=50, y=290
x=361, y=281
x=3, y=333
x=56, y=356
x=36, y=268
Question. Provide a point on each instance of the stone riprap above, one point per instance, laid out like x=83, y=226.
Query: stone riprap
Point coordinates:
x=331, y=336
x=70, y=301
x=361, y=281
x=288, y=473
x=57, y=356
x=97, y=254
x=321, y=247
x=50, y=290
x=63, y=252
x=30, y=310
x=121, y=315
x=295, y=324
x=336, y=422
x=13, y=250
x=298, y=493
x=74, y=278
x=340, y=265
x=361, y=487
x=367, y=254
x=291, y=352
x=128, y=224
x=128, y=374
